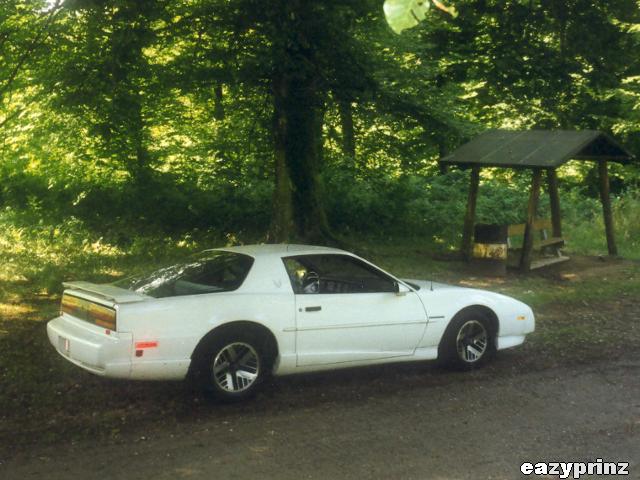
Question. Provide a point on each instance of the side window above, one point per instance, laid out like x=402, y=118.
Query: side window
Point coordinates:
x=222, y=273
x=297, y=273
x=335, y=274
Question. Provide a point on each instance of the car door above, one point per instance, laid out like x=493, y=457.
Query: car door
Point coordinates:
x=349, y=311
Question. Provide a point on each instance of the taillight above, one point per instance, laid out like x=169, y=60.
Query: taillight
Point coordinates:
x=88, y=311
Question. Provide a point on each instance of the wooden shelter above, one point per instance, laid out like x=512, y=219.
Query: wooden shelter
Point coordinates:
x=538, y=150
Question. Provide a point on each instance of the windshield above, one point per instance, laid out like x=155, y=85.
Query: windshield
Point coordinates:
x=209, y=272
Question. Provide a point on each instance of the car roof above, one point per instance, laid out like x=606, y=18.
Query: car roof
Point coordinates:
x=280, y=250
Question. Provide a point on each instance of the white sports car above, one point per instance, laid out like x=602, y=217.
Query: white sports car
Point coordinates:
x=231, y=316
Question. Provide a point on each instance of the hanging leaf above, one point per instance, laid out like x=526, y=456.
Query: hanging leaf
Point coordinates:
x=404, y=14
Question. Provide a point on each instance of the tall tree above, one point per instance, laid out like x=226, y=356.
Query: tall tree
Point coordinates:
x=25, y=28
x=317, y=50
x=286, y=49
x=106, y=76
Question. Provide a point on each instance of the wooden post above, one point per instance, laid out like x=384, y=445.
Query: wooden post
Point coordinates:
x=606, y=207
x=534, y=197
x=554, y=197
x=470, y=215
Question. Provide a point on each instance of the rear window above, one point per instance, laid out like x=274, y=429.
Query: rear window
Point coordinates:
x=209, y=272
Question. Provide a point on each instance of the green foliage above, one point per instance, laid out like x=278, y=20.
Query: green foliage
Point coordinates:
x=427, y=207
x=584, y=226
x=39, y=255
x=157, y=118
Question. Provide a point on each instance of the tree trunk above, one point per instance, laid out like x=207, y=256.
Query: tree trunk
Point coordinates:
x=605, y=197
x=303, y=144
x=299, y=103
x=282, y=218
x=218, y=107
x=470, y=215
x=554, y=202
x=348, y=134
x=138, y=159
x=532, y=210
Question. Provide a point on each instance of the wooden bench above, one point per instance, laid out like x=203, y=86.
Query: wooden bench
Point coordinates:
x=543, y=240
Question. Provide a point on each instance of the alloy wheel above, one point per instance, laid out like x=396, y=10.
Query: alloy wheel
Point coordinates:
x=472, y=341
x=236, y=367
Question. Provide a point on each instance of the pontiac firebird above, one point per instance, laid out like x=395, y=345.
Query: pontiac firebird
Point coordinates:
x=229, y=317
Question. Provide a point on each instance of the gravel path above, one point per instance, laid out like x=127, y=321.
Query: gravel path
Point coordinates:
x=407, y=421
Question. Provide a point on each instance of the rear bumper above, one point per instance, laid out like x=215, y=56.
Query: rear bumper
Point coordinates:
x=90, y=348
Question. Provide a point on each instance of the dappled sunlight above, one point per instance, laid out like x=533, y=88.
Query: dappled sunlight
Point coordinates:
x=487, y=282
x=569, y=276
x=9, y=311
x=40, y=257
x=9, y=273
x=113, y=272
x=10, y=292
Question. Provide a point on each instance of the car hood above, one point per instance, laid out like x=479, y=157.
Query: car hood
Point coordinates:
x=429, y=285
x=446, y=292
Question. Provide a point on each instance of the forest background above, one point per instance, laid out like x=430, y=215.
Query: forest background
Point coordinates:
x=148, y=129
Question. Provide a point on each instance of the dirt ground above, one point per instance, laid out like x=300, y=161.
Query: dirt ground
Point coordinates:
x=572, y=393
x=402, y=422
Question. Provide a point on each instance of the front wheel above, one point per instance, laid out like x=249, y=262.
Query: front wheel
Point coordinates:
x=232, y=367
x=468, y=342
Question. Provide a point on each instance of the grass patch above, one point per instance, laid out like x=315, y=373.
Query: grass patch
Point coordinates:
x=582, y=279
x=583, y=224
x=585, y=304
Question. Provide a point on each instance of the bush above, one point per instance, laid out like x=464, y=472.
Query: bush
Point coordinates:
x=583, y=224
x=430, y=208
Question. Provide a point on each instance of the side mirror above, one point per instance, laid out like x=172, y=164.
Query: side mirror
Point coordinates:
x=401, y=289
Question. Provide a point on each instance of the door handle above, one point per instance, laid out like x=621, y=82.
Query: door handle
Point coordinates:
x=312, y=309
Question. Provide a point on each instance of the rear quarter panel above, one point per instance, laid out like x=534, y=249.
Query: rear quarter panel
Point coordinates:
x=179, y=323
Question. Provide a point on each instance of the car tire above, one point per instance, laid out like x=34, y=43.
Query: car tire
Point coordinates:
x=468, y=342
x=232, y=366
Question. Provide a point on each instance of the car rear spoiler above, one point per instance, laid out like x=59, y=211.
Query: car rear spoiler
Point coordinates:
x=106, y=292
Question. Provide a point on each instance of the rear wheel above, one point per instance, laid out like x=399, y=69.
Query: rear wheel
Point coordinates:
x=236, y=367
x=232, y=366
x=468, y=342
